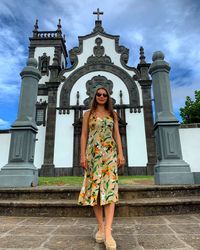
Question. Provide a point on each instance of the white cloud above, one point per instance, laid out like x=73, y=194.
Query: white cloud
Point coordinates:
x=4, y=124
x=12, y=56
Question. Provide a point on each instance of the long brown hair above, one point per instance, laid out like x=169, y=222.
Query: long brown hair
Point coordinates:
x=108, y=104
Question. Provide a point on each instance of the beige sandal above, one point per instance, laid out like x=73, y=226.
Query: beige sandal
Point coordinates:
x=99, y=236
x=110, y=243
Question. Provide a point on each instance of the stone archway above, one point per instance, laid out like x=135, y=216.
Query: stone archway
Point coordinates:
x=69, y=82
x=134, y=101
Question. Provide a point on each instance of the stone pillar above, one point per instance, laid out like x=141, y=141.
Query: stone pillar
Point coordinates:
x=20, y=170
x=148, y=120
x=78, y=114
x=145, y=84
x=48, y=167
x=170, y=167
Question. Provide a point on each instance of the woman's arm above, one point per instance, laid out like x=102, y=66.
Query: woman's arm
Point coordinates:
x=84, y=138
x=117, y=138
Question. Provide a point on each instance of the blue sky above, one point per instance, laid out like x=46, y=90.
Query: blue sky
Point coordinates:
x=171, y=26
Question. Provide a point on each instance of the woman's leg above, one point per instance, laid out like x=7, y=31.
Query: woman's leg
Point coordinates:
x=98, y=210
x=109, y=214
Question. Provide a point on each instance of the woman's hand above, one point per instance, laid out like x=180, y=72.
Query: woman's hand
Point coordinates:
x=83, y=162
x=120, y=160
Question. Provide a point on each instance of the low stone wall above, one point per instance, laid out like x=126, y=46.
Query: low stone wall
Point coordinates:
x=189, y=137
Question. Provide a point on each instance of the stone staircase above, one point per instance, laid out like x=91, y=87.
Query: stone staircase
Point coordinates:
x=134, y=201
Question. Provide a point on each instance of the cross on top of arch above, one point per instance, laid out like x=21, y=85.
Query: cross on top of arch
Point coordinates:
x=98, y=13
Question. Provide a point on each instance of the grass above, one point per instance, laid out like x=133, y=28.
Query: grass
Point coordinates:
x=77, y=180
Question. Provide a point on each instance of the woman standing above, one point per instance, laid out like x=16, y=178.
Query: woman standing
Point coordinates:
x=101, y=155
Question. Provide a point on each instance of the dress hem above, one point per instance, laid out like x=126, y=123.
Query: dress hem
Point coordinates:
x=94, y=204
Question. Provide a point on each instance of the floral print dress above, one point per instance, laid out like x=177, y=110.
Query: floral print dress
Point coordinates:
x=101, y=175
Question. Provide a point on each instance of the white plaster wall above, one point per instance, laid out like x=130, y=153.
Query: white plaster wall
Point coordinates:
x=39, y=146
x=63, y=151
x=190, y=143
x=39, y=52
x=136, y=141
x=4, y=148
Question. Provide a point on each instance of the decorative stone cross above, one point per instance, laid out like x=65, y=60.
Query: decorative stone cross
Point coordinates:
x=98, y=13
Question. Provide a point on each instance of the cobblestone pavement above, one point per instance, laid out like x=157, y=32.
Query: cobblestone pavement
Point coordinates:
x=181, y=232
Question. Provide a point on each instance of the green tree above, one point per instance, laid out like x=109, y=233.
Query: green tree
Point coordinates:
x=191, y=112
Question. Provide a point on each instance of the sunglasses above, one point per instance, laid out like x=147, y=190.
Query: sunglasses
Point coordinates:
x=99, y=94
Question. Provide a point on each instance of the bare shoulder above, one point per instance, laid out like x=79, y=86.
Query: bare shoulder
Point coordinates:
x=115, y=115
x=86, y=114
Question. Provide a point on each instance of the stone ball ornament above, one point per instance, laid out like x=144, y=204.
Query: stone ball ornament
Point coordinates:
x=158, y=55
x=32, y=62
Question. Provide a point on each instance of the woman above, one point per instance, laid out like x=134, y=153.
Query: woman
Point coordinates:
x=101, y=155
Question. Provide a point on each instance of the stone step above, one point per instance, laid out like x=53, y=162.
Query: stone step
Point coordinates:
x=125, y=192
x=69, y=208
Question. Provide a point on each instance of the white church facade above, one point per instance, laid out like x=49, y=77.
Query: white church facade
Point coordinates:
x=99, y=60
x=64, y=93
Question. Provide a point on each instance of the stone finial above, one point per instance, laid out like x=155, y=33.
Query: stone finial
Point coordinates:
x=143, y=66
x=142, y=56
x=59, y=24
x=36, y=27
x=55, y=58
x=35, y=31
x=31, y=69
x=32, y=62
x=158, y=55
x=59, y=31
x=158, y=63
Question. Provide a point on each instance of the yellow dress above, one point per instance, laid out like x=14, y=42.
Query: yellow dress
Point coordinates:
x=101, y=174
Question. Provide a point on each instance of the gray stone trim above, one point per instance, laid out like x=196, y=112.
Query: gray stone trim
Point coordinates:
x=42, y=90
x=192, y=125
x=123, y=75
x=59, y=172
x=5, y=131
x=196, y=177
x=137, y=170
x=68, y=171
